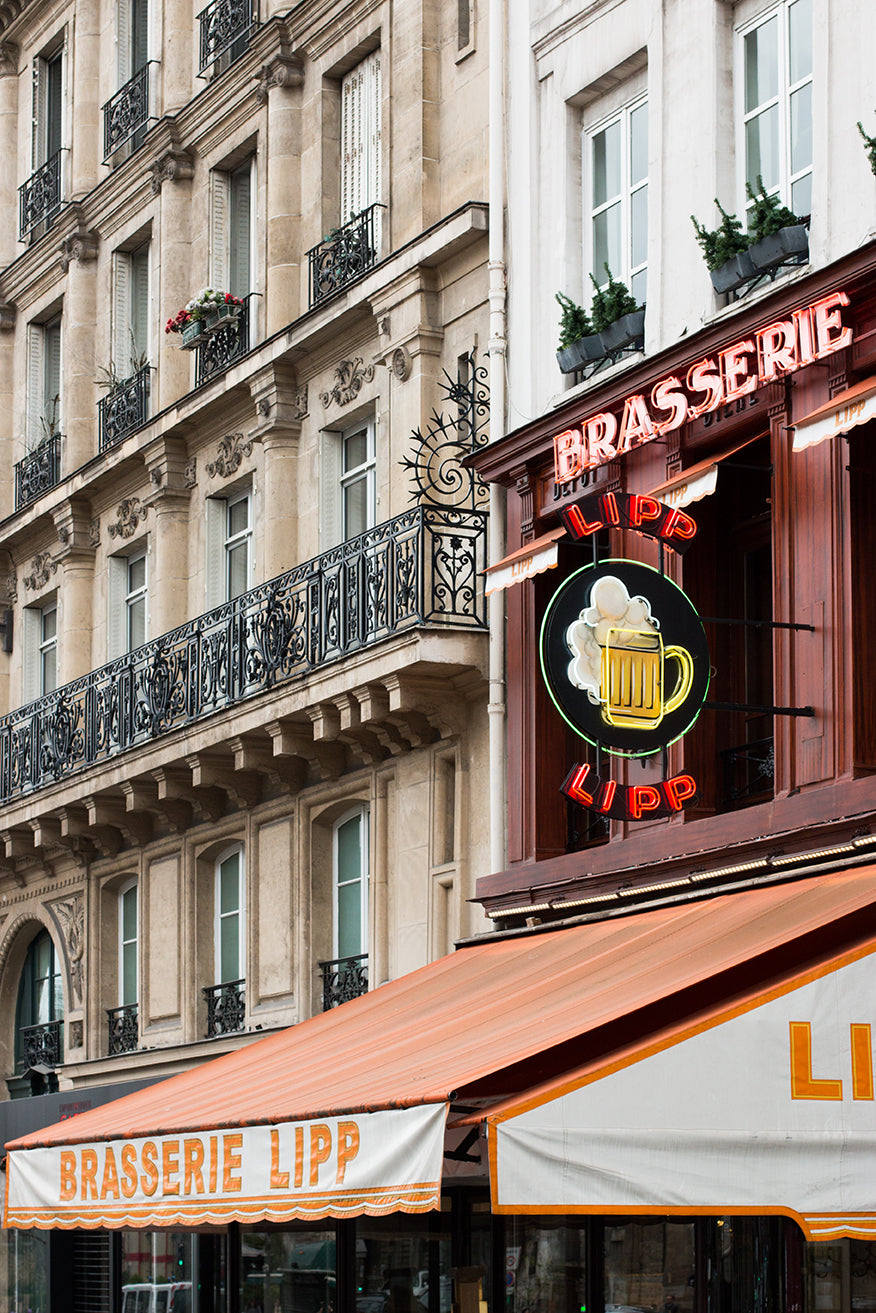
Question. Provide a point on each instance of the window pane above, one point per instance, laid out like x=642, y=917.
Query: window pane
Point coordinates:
x=762, y=148
x=54, y=69
x=50, y=624
x=403, y=1264
x=291, y=1271
x=129, y=914
x=238, y=516
x=651, y=1265
x=639, y=286
x=139, y=338
x=349, y=920
x=800, y=39
x=761, y=64
x=239, y=271
x=349, y=849
x=551, y=1265
x=606, y=164
x=229, y=948
x=639, y=144
x=801, y=195
x=639, y=227
x=355, y=450
x=801, y=128
x=129, y=974
x=355, y=508
x=49, y=671
x=136, y=573
x=229, y=884
x=238, y=570
x=136, y=623
x=607, y=243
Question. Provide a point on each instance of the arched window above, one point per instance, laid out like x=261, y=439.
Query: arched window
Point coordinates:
x=350, y=883
x=40, y=1007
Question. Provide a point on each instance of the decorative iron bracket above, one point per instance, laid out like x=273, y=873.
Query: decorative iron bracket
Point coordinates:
x=754, y=709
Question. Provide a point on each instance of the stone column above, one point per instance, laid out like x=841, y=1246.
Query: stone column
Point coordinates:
x=278, y=87
x=172, y=477
x=9, y=139
x=8, y=432
x=76, y=593
x=180, y=35
x=280, y=407
x=171, y=176
x=84, y=132
x=78, y=409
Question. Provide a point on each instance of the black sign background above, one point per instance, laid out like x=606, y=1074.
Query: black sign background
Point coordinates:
x=680, y=626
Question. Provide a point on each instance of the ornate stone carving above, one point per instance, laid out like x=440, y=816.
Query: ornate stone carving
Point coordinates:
x=190, y=478
x=230, y=455
x=42, y=567
x=350, y=375
x=79, y=246
x=7, y=317
x=156, y=477
x=175, y=165
x=64, y=536
x=70, y=916
x=8, y=58
x=130, y=515
x=280, y=71
x=300, y=404
x=10, y=585
x=75, y=1033
x=400, y=363
x=94, y=533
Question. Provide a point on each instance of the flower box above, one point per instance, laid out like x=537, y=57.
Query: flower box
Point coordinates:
x=624, y=332
x=192, y=334
x=779, y=247
x=580, y=353
x=219, y=316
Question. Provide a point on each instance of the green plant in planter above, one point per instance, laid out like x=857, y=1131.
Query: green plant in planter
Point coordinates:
x=767, y=214
x=870, y=143
x=611, y=303
x=720, y=244
x=574, y=321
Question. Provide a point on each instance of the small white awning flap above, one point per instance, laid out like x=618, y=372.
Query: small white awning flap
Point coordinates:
x=856, y=405
x=531, y=559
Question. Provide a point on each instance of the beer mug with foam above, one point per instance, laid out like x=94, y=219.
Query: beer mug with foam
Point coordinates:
x=633, y=678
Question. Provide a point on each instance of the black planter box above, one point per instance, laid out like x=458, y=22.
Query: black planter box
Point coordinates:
x=624, y=332
x=578, y=354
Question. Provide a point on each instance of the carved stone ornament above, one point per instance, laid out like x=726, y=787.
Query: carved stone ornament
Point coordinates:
x=300, y=404
x=10, y=585
x=94, y=533
x=175, y=165
x=400, y=363
x=42, y=567
x=70, y=916
x=190, y=478
x=79, y=246
x=75, y=1034
x=8, y=58
x=281, y=71
x=130, y=515
x=350, y=375
x=7, y=317
x=230, y=455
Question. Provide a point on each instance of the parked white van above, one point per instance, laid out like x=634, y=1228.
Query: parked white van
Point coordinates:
x=174, y=1297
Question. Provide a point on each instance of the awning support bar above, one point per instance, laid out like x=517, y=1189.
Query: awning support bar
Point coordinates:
x=763, y=711
x=755, y=624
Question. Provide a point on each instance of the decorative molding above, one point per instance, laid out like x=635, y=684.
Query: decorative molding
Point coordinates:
x=229, y=455
x=300, y=404
x=175, y=165
x=156, y=476
x=280, y=71
x=10, y=585
x=131, y=514
x=190, y=477
x=81, y=245
x=42, y=567
x=75, y=1033
x=400, y=363
x=70, y=917
x=7, y=317
x=350, y=375
x=8, y=58
x=94, y=533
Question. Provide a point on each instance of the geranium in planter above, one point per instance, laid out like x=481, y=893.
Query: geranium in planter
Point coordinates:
x=616, y=315
x=578, y=345
x=204, y=315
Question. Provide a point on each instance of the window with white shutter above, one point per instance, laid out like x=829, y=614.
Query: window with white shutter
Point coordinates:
x=360, y=137
x=232, y=238
x=348, y=494
x=43, y=382
x=130, y=311
x=132, y=38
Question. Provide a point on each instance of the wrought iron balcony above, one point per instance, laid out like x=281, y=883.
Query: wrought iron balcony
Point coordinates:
x=223, y=347
x=41, y=1045
x=38, y=471
x=124, y=409
x=39, y=198
x=223, y=24
x=421, y=568
x=749, y=770
x=343, y=978
x=226, y=1007
x=122, y=1029
x=345, y=254
x=126, y=113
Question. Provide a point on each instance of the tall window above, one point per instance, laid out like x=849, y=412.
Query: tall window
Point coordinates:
x=229, y=547
x=40, y=991
x=49, y=648
x=616, y=166
x=360, y=137
x=43, y=381
x=128, y=973
x=347, y=483
x=230, y=920
x=232, y=261
x=350, y=884
x=135, y=600
x=39, y=668
x=132, y=27
x=776, y=109
x=130, y=311
x=128, y=599
x=48, y=100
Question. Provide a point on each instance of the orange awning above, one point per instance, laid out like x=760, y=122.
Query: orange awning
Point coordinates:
x=493, y=1019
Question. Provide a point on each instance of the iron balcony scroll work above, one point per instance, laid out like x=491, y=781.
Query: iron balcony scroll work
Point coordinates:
x=435, y=464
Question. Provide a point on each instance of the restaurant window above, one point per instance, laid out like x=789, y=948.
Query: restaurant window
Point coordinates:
x=839, y=1276
x=291, y=1270
x=775, y=112
x=616, y=215
x=152, y=1261
x=862, y=534
x=546, y=1262
x=403, y=1264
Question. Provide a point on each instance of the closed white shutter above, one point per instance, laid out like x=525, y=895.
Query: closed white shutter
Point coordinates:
x=214, y=549
x=52, y=376
x=39, y=112
x=240, y=243
x=219, y=207
x=329, y=490
x=360, y=137
x=116, y=590
x=121, y=312
x=31, y=626
x=34, y=385
x=373, y=127
x=123, y=42
x=138, y=339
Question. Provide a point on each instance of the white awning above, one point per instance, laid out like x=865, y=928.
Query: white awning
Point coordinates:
x=857, y=405
x=534, y=558
x=695, y=483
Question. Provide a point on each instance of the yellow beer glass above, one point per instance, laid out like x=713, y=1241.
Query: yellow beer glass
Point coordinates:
x=633, y=671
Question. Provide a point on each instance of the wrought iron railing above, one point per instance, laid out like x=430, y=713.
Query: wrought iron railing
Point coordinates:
x=222, y=24
x=421, y=568
x=226, y=1007
x=40, y=197
x=122, y=1029
x=343, y=978
x=41, y=1045
x=38, y=471
x=124, y=409
x=344, y=254
x=224, y=346
x=126, y=113
x=748, y=771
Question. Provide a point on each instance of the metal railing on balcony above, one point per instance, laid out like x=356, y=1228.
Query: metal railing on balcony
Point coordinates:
x=126, y=113
x=344, y=254
x=224, y=346
x=123, y=1033
x=224, y=24
x=421, y=568
x=226, y=1007
x=41, y=1045
x=748, y=771
x=343, y=978
x=39, y=198
x=38, y=471
x=123, y=409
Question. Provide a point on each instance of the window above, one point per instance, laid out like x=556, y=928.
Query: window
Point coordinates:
x=360, y=137
x=132, y=29
x=229, y=547
x=48, y=100
x=130, y=311
x=776, y=103
x=616, y=221
x=48, y=648
x=40, y=1003
x=350, y=884
x=229, y=948
x=128, y=596
x=128, y=972
x=43, y=382
x=348, y=483
x=232, y=260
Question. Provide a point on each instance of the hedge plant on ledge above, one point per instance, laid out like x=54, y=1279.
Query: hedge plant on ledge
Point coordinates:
x=615, y=323
x=775, y=237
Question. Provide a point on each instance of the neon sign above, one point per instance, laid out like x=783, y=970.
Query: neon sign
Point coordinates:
x=627, y=802
x=778, y=349
x=625, y=510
